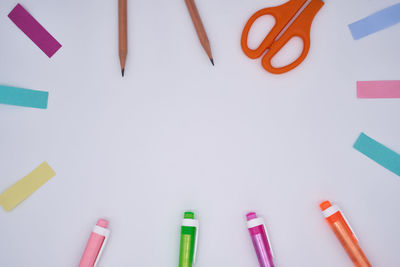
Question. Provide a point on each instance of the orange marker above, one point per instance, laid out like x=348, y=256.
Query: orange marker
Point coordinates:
x=344, y=233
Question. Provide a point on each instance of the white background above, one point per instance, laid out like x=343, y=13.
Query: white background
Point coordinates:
x=177, y=134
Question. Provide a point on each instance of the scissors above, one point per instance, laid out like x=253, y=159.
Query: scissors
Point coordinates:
x=292, y=19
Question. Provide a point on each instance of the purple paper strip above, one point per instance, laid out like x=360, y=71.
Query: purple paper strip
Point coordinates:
x=34, y=30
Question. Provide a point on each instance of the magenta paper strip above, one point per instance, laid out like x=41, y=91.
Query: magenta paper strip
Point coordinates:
x=378, y=89
x=34, y=30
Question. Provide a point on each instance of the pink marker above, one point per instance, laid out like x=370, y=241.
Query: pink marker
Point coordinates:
x=95, y=245
x=259, y=236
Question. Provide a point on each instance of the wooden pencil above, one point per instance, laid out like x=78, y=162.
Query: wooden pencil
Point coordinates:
x=198, y=24
x=122, y=33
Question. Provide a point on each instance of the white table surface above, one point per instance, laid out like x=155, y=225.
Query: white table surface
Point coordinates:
x=177, y=134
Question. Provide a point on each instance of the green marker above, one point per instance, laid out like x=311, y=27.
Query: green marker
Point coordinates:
x=189, y=237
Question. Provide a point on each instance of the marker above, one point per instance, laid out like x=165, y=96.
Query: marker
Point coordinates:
x=95, y=245
x=344, y=233
x=189, y=237
x=259, y=236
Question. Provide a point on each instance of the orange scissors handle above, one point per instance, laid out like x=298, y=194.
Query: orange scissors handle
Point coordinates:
x=300, y=28
x=282, y=15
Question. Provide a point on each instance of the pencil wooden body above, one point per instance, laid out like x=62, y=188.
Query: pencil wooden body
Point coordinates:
x=198, y=24
x=122, y=32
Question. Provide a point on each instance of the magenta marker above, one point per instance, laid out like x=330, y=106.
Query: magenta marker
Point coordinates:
x=95, y=245
x=259, y=236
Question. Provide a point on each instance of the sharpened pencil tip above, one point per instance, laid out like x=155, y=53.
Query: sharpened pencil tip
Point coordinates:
x=212, y=61
x=123, y=71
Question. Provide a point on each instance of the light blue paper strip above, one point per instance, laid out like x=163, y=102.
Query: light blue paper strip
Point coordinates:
x=376, y=22
x=379, y=153
x=23, y=97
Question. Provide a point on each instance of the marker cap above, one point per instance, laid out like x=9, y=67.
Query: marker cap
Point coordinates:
x=188, y=215
x=325, y=205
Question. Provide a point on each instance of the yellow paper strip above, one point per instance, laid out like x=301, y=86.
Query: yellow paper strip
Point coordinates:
x=22, y=189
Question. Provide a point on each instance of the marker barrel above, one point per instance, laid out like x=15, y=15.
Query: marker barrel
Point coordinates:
x=189, y=232
x=345, y=234
x=259, y=237
x=95, y=244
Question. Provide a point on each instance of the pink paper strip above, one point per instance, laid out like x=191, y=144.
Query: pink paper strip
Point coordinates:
x=34, y=30
x=378, y=89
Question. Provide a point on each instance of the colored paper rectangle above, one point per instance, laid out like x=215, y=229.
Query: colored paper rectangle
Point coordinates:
x=25, y=187
x=378, y=89
x=375, y=22
x=23, y=97
x=378, y=153
x=32, y=28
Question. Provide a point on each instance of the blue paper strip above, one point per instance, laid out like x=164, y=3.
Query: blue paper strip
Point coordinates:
x=379, y=153
x=23, y=97
x=376, y=22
